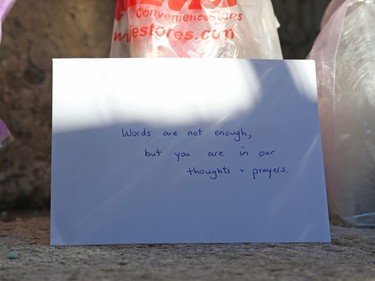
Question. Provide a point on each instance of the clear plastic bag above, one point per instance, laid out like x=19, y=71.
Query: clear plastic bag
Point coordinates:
x=5, y=6
x=195, y=28
x=331, y=8
x=345, y=58
x=5, y=136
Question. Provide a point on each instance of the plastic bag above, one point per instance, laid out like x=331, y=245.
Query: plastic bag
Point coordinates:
x=345, y=59
x=5, y=136
x=195, y=28
x=5, y=6
x=331, y=8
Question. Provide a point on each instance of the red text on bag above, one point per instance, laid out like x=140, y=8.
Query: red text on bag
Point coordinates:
x=175, y=5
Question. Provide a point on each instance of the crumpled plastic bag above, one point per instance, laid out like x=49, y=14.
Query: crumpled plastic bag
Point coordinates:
x=331, y=8
x=196, y=29
x=5, y=6
x=344, y=53
x=5, y=136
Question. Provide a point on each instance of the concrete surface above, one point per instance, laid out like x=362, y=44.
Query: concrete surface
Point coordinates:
x=25, y=254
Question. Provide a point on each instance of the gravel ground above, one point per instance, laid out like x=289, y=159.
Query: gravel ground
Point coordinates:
x=25, y=254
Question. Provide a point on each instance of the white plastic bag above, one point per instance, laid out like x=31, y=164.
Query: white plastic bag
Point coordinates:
x=5, y=6
x=331, y=8
x=5, y=135
x=345, y=59
x=195, y=28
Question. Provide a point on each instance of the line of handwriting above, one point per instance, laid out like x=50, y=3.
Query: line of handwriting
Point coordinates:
x=181, y=155
x=237, y=134
x=256, y=173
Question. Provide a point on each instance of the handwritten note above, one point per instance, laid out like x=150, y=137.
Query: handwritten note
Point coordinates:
x=186, y=151
x=240, y=138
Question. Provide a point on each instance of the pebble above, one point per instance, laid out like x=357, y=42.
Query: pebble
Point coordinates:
x=12, y=255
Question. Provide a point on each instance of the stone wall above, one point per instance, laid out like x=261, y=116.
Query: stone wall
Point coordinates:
x=37, y=31
x=33, y=34
x=300, y=24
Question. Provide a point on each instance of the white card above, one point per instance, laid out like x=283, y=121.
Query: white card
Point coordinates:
x=186, y=151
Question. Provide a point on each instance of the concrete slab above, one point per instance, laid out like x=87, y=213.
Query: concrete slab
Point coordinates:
x=25, y=254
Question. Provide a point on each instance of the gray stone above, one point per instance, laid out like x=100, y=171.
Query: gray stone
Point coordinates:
x=33, y=33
